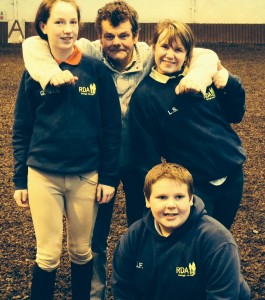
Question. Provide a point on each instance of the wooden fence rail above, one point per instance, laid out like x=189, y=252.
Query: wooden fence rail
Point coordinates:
x=204, y=33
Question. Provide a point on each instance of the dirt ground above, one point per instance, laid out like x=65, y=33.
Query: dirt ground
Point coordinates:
x=17, y=241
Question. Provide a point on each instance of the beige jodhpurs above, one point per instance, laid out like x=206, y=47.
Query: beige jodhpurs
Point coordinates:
x=50, y=196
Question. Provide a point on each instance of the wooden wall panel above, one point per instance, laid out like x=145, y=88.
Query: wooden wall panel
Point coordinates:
x=204, y=33
x=3, y=32
x=229, y=33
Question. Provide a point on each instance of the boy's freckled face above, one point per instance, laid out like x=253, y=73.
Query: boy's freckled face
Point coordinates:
x=170, y=204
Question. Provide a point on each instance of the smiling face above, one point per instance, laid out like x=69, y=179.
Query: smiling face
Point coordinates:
x=170, y=203
x=169, y=57
x=61, y=29
x=118, y=43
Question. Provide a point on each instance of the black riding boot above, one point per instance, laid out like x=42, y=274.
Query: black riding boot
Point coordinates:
x=43, y=282
x=81, y=276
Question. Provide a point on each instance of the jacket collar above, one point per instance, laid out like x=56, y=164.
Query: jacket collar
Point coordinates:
x=162, y=78
x=74, y=58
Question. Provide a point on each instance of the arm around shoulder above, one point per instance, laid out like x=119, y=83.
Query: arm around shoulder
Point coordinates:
x=38, y=60
x=90, y=48
x=203, y=66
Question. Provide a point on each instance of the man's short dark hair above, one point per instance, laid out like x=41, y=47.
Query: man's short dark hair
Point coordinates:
x=117, y=12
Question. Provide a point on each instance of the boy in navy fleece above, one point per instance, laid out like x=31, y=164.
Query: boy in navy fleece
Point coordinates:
x=176, y=251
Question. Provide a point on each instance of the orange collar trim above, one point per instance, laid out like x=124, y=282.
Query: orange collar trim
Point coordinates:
x=74, y=58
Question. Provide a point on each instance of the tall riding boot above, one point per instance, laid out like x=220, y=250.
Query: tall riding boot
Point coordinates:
x=81, y=276
x=43, y=282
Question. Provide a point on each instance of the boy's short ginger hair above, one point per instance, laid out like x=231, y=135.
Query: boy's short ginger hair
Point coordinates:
x=117, y=12
x=169, y=171
x=176, y=30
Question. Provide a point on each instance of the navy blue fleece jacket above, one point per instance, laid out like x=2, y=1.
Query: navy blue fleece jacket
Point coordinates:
x=68, y=130
x=198, y=261
x=191, y=130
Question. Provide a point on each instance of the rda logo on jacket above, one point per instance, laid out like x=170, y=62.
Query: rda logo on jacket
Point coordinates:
x=210, y=94
x=88, y=90
x=187, y=271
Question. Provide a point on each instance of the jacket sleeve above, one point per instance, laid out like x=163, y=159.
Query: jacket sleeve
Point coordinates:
x=144, y=134
x=232, y=100
x=22, y=131
x=223, y=275
x=203, y=66
x=38, y=60
x=123, y=269
x=111, y=129
x=40, y=63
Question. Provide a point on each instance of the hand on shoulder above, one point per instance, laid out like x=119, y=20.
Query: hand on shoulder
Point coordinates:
x=220, y=78
x=63, y=77
x=187, y=85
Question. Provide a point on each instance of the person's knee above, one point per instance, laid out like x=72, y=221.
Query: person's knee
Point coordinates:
x=46, y=259
x=48, y=264
x=80, y=255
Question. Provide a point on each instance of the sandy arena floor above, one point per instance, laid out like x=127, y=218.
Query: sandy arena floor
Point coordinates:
x=17, y=241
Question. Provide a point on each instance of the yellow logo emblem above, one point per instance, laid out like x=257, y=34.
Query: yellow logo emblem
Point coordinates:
x=187, y=271
x=210, y=95
x=88, y=90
